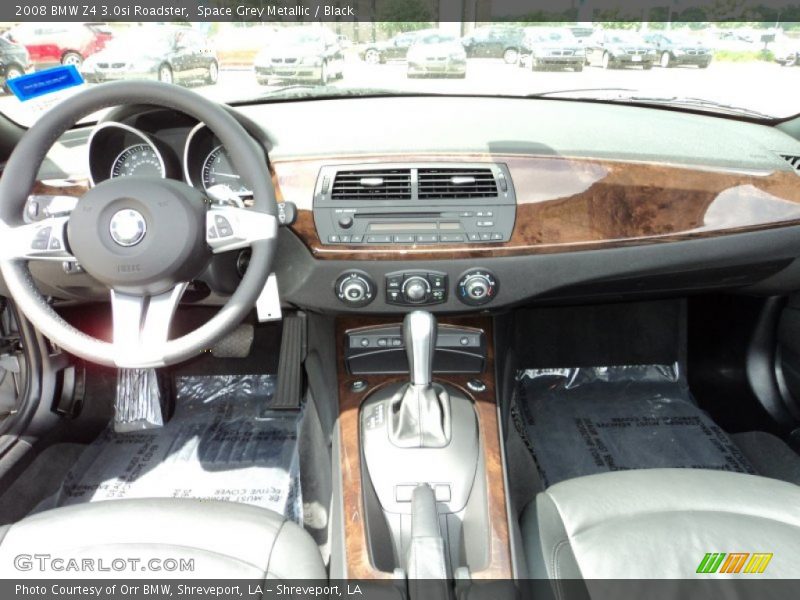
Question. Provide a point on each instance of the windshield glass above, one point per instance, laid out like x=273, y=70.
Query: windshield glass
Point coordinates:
x=729, y=68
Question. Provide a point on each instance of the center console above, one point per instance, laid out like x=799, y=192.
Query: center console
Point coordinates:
x=423, y=485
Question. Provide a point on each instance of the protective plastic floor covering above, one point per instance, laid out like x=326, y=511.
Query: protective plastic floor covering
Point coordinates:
x=590, y=420
x=222, y=443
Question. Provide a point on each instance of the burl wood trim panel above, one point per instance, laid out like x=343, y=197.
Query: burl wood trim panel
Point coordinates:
x=569, y=204
x=359, y=565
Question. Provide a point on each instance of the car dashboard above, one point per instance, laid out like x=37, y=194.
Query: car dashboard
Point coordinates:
x=400, y=203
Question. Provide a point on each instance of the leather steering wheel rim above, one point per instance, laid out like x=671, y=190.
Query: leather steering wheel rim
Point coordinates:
x=19, y=177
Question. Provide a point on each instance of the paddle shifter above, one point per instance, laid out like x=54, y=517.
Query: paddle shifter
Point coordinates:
x=420, y=411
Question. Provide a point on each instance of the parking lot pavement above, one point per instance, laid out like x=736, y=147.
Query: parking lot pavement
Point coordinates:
x=756, y=85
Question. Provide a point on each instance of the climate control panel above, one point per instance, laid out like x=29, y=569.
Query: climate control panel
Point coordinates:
x=416, y=288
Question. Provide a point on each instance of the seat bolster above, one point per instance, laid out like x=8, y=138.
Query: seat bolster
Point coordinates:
x=547, y=544
x=295, y=555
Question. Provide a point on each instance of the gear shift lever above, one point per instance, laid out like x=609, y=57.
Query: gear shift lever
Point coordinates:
x=419, y=337
x=420, y=411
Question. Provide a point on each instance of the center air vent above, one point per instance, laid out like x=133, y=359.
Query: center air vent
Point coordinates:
x=389, y=184
x=444, y=183
x=793, y=160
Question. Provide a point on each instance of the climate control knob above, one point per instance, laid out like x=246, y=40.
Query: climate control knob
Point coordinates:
x=477, y=287
x=355, y=288
x=416, y=289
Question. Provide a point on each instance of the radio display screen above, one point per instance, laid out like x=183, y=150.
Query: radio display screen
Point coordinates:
x=414, y=226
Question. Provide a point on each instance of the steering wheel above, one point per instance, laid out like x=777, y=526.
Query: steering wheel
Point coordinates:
x=145, y=239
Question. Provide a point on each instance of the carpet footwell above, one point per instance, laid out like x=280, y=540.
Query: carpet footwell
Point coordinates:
x=591, y=420
x=223, y=443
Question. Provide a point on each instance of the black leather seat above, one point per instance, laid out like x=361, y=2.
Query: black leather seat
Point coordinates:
x=223, y=539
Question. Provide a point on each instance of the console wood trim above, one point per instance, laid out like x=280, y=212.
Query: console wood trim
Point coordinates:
x=570, y=204
x=359, y=564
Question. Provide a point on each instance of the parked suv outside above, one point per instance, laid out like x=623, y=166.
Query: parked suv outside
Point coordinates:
x=494, y=42
x=52, y=44
x=552, y=47
x=674, y=49
x=615, y=49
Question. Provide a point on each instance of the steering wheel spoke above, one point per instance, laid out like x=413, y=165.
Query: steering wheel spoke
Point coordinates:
x=141, y=326
x=42, y=240
x=231, y=228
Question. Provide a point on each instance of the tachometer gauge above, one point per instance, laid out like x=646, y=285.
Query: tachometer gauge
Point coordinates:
x=140, y=159
x=218, y=170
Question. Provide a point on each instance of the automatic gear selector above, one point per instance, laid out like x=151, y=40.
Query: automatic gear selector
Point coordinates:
x=420, y=411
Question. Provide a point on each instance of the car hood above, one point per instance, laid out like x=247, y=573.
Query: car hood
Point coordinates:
x=124, y=55
x=433, y=49
x=291, y=50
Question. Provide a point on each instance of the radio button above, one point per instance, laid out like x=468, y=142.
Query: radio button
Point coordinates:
x=467, y=214
x=356, y=239
x=452, y=237
x=379, y=239
x=485, y=223
x=404, y=239
x=345, y=239
x=485, y=237
x=333, y=239
x=474, y=237
x=427, y=238
x=497, y=236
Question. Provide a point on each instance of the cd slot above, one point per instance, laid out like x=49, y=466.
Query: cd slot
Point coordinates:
x=404, y=215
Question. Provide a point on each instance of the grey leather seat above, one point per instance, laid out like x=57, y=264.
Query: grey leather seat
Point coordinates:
x=224, y=539
x=659, y=524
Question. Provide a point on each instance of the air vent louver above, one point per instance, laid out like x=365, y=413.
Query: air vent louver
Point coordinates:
x=436, y=184
x=383, y=184
x=793, y=160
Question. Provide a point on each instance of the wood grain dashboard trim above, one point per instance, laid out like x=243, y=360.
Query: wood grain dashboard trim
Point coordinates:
x=359, y=564
x=570, y=204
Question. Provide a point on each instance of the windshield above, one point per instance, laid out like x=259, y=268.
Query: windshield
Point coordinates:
x=728, y=68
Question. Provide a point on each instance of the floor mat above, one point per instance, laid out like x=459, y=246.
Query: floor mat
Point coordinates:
x=223, y=443
x=39, y=481
x=591, y=420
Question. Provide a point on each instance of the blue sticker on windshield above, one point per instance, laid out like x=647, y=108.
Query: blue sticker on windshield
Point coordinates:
x=27, y=87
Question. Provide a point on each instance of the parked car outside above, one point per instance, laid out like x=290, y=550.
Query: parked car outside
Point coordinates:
x=394, y=48
x=616, y=49
x=551, y=47
x=496, y=41
x=52, y=44
x=301, y=53
x=674, y=49
x=437, y=54
x=165, y=53
x=14, y=61
x=786, y=51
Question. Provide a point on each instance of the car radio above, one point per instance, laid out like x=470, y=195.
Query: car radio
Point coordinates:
x=420, y=203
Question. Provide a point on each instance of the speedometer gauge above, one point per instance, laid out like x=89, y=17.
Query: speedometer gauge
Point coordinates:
x=218, y=170
x=140, y=159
